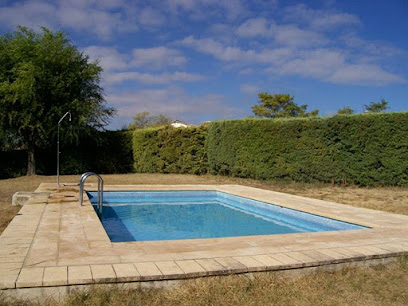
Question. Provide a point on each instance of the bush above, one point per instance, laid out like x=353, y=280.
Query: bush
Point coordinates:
x=13, y=163
x=101, y=152
x=364, y=149
x=170, y=150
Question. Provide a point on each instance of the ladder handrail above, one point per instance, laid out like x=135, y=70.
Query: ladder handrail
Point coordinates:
x=81, y=186
x=100, y=189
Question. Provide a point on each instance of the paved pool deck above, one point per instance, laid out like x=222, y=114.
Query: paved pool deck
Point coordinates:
x=55, y=243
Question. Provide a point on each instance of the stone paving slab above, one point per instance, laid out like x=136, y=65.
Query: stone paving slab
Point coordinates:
x=55, y=276
x=267, y=261
x=30, y=277
x=170, y=269
x=103, y=274
x=126, y=272
x=211, y=266
x=148, y=271
x=191, y=267
x=54, y=242
x=230, y=264
x=251, y=264
x=78, y=275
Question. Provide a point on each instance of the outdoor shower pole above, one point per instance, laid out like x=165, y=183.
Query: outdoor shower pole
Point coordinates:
x=58, y=151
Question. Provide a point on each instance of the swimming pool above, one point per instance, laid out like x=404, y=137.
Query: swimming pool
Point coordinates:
x=174, y=215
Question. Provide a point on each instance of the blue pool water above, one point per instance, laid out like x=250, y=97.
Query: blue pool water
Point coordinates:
x=169, y=215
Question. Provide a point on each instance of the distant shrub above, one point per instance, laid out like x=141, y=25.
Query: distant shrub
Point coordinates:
x=101, y=152
x=170, y=150
x=13, y=163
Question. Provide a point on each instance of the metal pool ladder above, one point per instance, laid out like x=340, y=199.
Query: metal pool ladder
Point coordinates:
x=100, y=189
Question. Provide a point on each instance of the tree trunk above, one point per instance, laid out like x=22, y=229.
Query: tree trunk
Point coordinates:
x=31, y=160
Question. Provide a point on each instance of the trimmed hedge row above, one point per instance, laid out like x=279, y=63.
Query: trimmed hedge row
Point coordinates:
x=364, y=149
x=170, y=150
x=101, y=152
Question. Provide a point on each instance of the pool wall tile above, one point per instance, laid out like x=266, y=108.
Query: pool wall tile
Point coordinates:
x=125, y=216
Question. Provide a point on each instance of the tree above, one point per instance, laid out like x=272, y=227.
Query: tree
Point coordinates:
x=42, y=76
x=376, y=107
x=144, y=120
x=347, y=110
x=280, y=105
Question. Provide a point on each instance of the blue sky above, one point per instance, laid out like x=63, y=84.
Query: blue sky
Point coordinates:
x=198, y=60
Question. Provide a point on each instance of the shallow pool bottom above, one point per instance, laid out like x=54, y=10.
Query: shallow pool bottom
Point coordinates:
x=175, y=215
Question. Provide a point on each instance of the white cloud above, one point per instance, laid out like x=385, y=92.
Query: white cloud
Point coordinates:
x=151, y=17
x=104, y=4
x=31, y=14
x=254, y=27
x=147, y=78
x=204, y=9
x=101, y=18
x=249, y=89
x=374, y=50
x=326, y=64
x=246, y=71
x=118, y=67
x=233, y=53
x=320, y=19
x=100, y=22
x=157, y=57
x=174, y=102
x=284, y=34
x=210, y=46
x=292, y=35
x=332, y=66
x=110, y=59
x=362, y=74
x=318, y=63
x=311, y=43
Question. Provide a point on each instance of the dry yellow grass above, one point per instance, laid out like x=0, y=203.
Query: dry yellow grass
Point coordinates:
x=383, y=285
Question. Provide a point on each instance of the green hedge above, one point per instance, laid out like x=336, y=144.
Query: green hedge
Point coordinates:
x=170, y=150
x=364, y=149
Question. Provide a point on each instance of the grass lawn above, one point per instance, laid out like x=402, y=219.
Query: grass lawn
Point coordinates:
x=382, y=285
